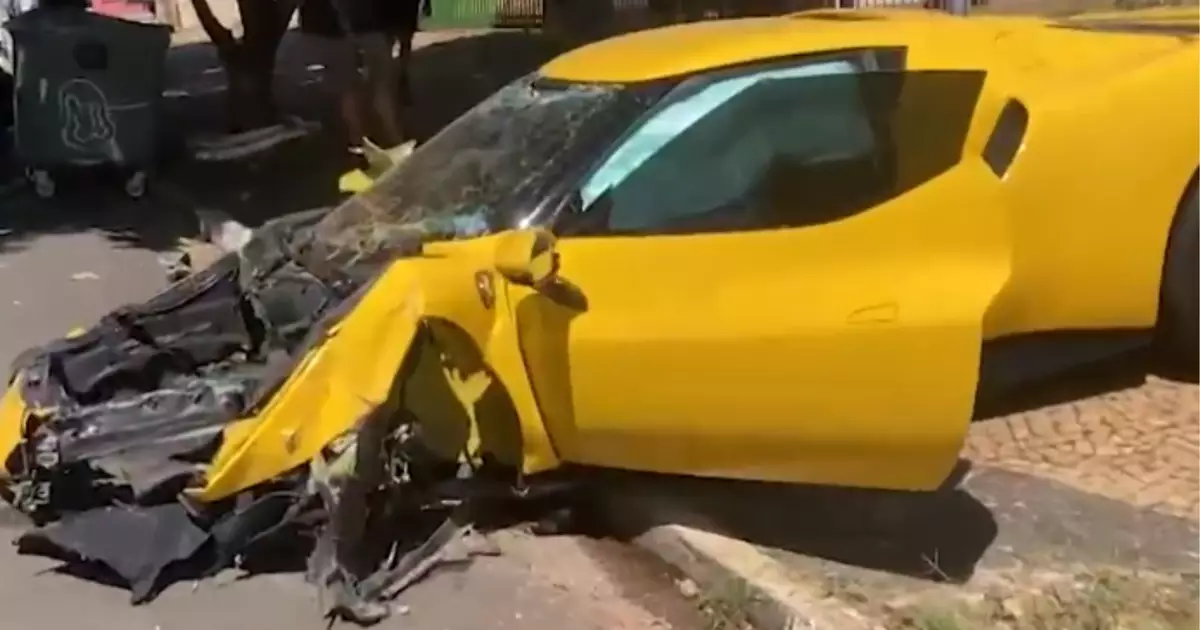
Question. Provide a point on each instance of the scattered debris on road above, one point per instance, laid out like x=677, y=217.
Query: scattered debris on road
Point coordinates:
x=133, y=414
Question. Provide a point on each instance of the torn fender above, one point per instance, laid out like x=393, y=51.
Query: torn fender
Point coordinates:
x=336, y=383
x=353, y=369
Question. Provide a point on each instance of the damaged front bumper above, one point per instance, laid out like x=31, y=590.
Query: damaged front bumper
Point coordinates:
x=143, y=397
x=235, y=405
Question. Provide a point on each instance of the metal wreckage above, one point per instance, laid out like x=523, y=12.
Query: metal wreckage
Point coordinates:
x=241, y=407
x=174, y=437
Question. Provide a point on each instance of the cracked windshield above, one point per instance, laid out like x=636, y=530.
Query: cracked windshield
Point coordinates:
x=485, y=171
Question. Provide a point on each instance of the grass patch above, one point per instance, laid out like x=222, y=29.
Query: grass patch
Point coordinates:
x=1107, y=600
x=728, y=607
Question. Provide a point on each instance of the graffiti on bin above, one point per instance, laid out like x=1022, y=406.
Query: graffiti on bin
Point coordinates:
x=87, y=120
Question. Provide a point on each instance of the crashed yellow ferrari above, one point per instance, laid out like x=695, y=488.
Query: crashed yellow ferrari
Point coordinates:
x=804, y=249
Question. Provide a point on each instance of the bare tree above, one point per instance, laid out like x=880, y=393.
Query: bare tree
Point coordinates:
x=249, y=61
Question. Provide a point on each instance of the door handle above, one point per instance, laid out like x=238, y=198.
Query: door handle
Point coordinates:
x=875, y=314
x=565, y=293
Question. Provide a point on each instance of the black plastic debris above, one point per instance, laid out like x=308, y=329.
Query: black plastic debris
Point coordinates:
x=138, y=544
x=150, y=548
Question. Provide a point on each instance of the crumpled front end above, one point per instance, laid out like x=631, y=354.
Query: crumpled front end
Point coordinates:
x=262, y=396
x=136, y=404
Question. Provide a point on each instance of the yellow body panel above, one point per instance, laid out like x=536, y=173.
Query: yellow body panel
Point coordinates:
x=333, y=387
x=811, y=354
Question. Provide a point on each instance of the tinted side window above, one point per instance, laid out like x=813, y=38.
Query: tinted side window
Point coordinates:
x=785, y=147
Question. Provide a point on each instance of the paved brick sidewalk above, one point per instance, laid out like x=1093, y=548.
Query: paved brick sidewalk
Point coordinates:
x=1139, y=445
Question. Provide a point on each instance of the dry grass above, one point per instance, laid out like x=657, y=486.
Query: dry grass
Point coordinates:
x=728, y=607
x=1109, y=600
x=1023, y=599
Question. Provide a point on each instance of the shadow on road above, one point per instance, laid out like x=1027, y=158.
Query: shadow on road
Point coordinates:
x=148, y=223
x=1124, y=371
x=937, y=536
x=449, y=76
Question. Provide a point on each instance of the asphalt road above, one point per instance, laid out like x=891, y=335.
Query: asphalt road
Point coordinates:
x=535, y=584
x=64, y=265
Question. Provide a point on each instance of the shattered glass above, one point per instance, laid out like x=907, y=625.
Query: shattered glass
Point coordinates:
x=482, y=173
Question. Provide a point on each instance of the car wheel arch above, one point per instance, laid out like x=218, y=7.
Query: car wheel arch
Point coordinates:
x=1178, y=322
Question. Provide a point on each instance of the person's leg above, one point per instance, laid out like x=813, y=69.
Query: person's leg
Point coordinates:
x=404, y=67
x=381, y=84
x=410, y=21
x=341, y=73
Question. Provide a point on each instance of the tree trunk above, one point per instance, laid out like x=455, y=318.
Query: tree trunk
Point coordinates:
x=249, y=62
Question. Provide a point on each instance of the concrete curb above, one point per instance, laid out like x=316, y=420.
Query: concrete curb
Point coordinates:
x=723, y=566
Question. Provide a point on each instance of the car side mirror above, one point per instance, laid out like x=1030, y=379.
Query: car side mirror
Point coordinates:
x=527, y=257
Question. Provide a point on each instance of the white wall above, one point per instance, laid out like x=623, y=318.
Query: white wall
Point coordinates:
x=225, y=10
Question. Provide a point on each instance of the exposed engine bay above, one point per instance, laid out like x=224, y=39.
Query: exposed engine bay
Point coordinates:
x=124, y=419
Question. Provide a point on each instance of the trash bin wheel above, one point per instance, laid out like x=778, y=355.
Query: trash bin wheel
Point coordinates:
x=43, y=184
x=135, y=186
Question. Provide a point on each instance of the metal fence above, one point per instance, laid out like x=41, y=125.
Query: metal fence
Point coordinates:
x=583, y=19
x=485, y=13
x=601, y=14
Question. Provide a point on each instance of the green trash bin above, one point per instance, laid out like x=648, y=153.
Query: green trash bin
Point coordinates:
x=88, y=92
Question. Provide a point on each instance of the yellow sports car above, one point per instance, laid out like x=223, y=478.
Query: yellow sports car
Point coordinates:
x=805, y=249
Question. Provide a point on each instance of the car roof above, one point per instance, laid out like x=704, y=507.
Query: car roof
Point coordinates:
x=933, y=40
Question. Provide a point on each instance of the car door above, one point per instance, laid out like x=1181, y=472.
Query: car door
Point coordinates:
x=770, y=278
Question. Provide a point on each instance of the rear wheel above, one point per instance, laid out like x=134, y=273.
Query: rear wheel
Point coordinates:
x=1179, y=312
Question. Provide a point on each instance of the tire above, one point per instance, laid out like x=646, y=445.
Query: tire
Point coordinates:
x=1179, y=309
